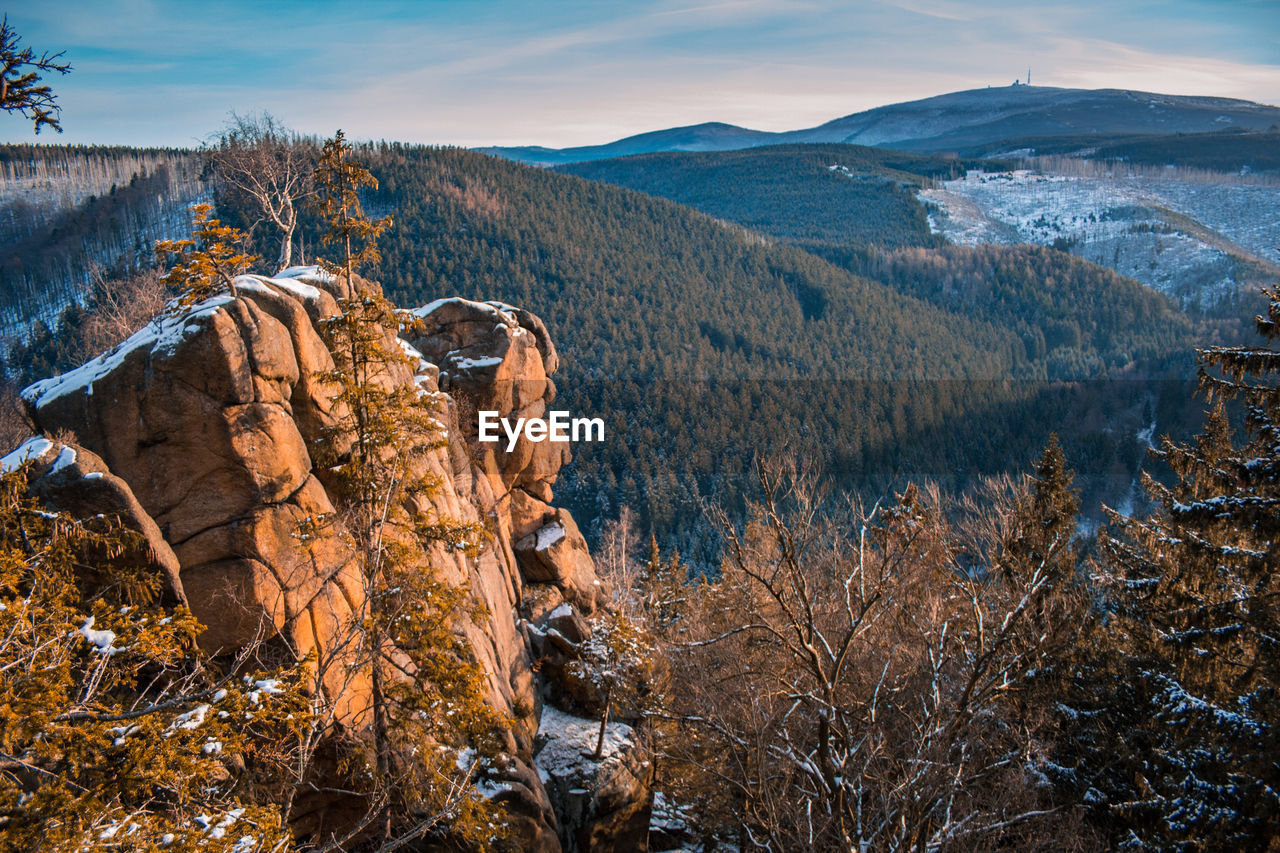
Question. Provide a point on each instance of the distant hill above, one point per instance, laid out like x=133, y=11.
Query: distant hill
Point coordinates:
x=959, y=120
x=1235, y=149
x=710, y=136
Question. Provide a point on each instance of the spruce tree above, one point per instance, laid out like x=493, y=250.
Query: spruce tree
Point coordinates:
x=207, y=261
x=428, y=693
x=338, y=181
x=20, y=88
x=1195, y=626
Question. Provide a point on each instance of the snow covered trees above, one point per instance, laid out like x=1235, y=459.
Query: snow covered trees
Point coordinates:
x=615, y=660
x=1195, y=629
x=267, y=170
x=116, y=733
x=864, y=681
x=20, y=88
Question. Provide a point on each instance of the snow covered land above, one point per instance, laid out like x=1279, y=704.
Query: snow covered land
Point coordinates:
x=1196, y=240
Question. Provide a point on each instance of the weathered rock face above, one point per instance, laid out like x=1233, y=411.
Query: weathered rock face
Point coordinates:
x=492, y=357
x=197, y=430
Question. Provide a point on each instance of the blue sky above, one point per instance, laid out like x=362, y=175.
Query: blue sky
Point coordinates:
x=478, y=72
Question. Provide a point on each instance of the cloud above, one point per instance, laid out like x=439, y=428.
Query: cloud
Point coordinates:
x=1095, y=63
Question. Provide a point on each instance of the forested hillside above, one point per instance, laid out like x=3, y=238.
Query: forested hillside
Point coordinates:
x=703, y=343
x=812, y=195
x=64, y=210
x=1231, y=150
x=704, y=340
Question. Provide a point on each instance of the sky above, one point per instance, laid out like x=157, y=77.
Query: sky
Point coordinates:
x=515, y=72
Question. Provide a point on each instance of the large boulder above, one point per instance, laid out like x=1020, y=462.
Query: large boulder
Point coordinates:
x=199, y=432
x=68, y=478
x=196, y=412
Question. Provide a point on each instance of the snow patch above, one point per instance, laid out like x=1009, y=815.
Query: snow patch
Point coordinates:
x=570, y=742
x=66, y=457
x=305, y=273
x=500, y=312
x=191, y=719
x=422, y=366
x=102, y=641
x=464, y=363
x=161, y=336
x=549, y=535
x=32, y=448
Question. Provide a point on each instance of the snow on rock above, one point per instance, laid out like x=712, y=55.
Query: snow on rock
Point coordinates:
x=500, y=312
x=161, y=336
x=459, y=362
x=606, y=797
x=305, y=273
x=66, y=457
x=31, y=449
x=549, y=535
x=297, y=287
x=570, y=742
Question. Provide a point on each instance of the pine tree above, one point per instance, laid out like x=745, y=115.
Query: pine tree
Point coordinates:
x=20, y=88
x=338, y=182
x=207, y=261
x=116, y=733
x=428, y=691
x=662, y=588
x=1196, y=622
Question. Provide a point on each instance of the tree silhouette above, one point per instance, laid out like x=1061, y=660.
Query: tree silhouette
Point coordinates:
x=20, y=88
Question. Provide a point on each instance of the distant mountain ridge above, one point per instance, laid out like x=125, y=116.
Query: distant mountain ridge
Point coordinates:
x=948, y=122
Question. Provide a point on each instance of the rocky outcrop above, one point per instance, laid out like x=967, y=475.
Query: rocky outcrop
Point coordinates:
x=493, y=357
x=199, y=431
x=602, y=799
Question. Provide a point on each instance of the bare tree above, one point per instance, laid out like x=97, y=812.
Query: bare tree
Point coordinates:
x=262, y=163
x=118, y=307
x=862, y=681
x=20, y=88
x=616, y=558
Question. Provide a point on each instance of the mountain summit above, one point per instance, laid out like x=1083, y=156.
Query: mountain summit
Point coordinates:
x=947, y=122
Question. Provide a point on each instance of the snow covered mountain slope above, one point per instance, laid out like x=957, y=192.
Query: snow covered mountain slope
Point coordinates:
x=1198, y=240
